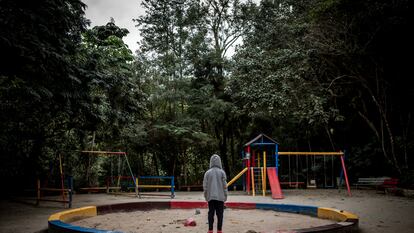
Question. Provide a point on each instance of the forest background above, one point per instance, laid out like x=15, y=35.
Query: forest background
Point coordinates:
x=315, y=75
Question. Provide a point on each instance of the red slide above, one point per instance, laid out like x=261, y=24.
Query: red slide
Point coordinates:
x=274, y=183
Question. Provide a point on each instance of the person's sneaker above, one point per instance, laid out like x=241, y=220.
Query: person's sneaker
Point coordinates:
x=210, y=231
x=219, y=231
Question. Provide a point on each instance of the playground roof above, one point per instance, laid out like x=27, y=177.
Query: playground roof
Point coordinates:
x=261, y=139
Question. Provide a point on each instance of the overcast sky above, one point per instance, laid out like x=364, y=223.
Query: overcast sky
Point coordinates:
x=123, y=11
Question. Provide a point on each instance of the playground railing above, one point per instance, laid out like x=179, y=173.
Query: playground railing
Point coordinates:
x=63, y=191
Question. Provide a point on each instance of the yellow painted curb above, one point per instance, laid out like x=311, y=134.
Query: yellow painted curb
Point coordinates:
x=336, y=215
x=74, y=214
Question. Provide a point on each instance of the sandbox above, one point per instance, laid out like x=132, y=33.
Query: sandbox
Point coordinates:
x=169, y=217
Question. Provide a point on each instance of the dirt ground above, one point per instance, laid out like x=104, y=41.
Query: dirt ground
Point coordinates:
x=377, y=212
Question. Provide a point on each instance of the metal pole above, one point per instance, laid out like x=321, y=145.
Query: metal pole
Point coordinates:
x=264, y=172
x=38, y=192
x=346, y=176
x=70, y=184
x=253, y=189
x=172, y=187
x=324, y=172
x=277, y=158
x=289, y=172
x=297, y=172
x=248, y=170
x=62, y=180
x=307, y=171
x=262, y=175
x=130, y=170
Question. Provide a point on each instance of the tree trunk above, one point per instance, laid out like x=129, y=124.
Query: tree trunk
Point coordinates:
x=232, y=149
x=221, y=145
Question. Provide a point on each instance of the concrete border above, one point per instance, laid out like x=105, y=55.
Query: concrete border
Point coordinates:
x=60, y=222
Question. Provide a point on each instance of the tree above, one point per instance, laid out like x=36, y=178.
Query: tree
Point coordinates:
x=225, y=22
x=40, y=87
x=114, y=86
x=359, y=50
x=171, y=31
x=272, y=79
x=115, y=97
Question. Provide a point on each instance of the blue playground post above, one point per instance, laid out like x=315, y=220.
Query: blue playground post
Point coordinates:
x=172, y=187
x=277, y=158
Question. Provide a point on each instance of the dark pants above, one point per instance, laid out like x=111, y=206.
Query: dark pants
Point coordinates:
x=218, y=208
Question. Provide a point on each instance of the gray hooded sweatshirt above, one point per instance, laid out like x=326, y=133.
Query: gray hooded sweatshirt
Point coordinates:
x=214, y=183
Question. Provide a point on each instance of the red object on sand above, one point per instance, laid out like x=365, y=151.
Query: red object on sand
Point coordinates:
x=190, y=222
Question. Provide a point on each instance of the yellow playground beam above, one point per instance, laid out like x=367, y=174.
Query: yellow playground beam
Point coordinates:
x=236, y=177
x=262, y=174
x=310, y=153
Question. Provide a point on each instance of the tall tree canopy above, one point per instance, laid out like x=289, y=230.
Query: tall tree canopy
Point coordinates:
x=315, y=75
x=359, y=53
x=41, y=89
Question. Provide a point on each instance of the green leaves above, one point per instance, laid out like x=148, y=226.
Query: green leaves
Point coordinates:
x=313, y=73
x=40, y=84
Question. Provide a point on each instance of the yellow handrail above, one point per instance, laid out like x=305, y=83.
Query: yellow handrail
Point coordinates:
x=236, y=177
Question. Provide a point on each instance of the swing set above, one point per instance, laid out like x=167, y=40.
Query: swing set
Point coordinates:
x=264, y=162
x=308, y=173
x=119, y=183
x=112, y=186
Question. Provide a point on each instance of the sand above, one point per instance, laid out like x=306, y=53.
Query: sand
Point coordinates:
x=379, y=213
x=166, y=221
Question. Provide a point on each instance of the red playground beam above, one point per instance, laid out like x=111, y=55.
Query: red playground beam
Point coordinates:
x=248, y=171
x=346, y=176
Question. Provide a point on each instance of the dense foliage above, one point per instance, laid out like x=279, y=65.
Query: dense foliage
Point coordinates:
x=315, y=75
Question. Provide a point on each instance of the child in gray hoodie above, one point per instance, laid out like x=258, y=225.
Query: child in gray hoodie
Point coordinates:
x=215, y=192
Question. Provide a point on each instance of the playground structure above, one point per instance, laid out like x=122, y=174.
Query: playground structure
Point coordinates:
x=262, y=162
x=65, y=193
x=262, y=169
x=63, y=221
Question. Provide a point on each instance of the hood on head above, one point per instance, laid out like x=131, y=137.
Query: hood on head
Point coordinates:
x=215, y=161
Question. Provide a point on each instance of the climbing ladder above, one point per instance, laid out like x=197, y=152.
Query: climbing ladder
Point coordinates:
x=257, y=174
